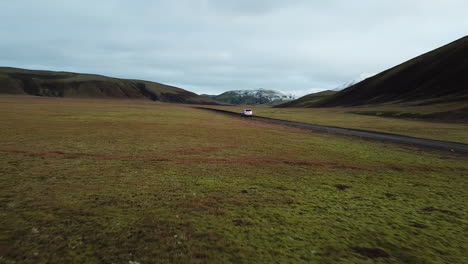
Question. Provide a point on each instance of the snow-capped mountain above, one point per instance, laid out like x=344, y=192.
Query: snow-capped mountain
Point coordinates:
x=252, y=97
x=346, y=85
x=361, y=77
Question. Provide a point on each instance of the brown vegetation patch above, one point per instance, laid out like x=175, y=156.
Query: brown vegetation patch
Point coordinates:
x=239, y=160
x=99, y=201
x=60, y=154
x=5, y=248
x=207, y=204
x=193, y=151
x=251, y=160
x=274, y=161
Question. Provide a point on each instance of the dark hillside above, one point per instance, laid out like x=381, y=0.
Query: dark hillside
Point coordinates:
x=435, y=77
x=68, y=84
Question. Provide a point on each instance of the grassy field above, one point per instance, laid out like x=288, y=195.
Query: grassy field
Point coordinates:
x=369, y=119
x=94, y=181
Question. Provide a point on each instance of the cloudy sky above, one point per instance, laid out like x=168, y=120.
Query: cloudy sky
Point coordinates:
x=211, y=46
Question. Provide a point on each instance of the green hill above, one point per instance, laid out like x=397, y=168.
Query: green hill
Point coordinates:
x=309, y=100
x=77, y=85
x=439, y=76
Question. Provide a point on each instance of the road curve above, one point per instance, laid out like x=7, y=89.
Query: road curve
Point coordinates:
x=422, y=142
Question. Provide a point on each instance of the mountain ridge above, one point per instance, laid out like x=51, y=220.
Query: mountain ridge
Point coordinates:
x=251, y=97
x=81, y=85
x=437, y=76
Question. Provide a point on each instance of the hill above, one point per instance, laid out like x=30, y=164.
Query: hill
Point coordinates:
x=77, y=85
x=435, y=77
x=308, y=100
x=352, y=82
x=251, y=97
x=438, y=76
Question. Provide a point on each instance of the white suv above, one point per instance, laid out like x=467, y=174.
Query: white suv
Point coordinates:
x=247, y=112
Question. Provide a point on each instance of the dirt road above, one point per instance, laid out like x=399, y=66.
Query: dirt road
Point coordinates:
x=421, y=142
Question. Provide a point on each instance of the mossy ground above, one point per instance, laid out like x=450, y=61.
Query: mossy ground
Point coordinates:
x=92, y=181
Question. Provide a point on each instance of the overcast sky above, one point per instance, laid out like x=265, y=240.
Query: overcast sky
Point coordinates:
x=211, y=46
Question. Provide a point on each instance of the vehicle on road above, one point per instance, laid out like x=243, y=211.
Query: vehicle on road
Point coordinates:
x=246, y=112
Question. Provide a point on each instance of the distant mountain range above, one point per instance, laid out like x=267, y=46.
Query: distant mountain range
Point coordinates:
x=77, y=85
x=251, y=97
x=439, y=76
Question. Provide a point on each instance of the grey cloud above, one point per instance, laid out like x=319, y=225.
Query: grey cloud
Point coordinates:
x=211, y=46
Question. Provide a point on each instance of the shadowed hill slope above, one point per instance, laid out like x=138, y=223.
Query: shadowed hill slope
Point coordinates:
x=68, y=84
x=308, y=100
x=435, y=77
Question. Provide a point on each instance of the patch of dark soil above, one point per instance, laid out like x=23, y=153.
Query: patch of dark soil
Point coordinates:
x=342, y=187
x=5, y=248
x=371, y=252
x=418, y=225
x=199, y=255
x=432, y=209
x=283, y=188
x=240, y=222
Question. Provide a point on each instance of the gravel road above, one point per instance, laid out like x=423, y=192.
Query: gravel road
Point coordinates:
x=421, y=142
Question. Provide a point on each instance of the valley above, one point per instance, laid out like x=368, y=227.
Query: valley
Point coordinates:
x=97, y=169
x=124, y=181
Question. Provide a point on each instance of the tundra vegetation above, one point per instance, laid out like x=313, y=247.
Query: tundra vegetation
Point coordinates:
x=115, y=181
